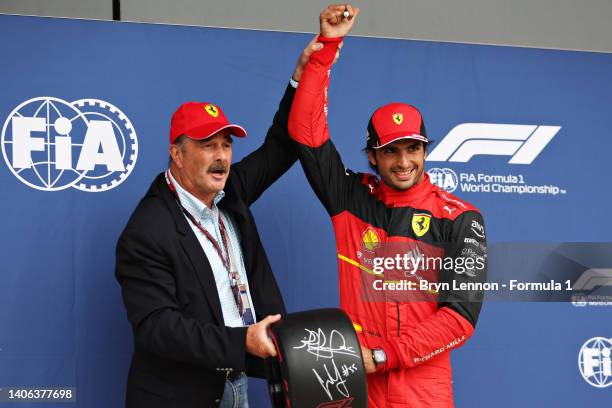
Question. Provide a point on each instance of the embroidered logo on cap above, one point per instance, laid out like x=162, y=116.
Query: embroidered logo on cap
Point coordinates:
x=212, y=110
x=398, y=118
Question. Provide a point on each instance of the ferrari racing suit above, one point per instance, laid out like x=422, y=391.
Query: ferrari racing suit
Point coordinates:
x=415, y=333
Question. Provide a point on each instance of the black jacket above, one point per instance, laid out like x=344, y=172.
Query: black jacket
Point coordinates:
x=169, y=291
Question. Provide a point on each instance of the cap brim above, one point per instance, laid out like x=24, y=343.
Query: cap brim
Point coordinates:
x=206, y=131
x=413, y=137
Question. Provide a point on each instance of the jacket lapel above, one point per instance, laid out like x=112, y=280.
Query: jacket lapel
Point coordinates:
x=193, y=249
x=203, y=270
x=236, y=209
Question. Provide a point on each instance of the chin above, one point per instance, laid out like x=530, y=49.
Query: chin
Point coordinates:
x=403, y=186
x=400, y=185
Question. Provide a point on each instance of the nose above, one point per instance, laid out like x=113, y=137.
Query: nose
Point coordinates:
x=403, y=160
x=221, y=153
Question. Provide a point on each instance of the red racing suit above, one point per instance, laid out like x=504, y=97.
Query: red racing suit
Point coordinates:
x=417, y=336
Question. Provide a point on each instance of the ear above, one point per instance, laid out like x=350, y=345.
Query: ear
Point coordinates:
x=177, y=155
x=372, y=157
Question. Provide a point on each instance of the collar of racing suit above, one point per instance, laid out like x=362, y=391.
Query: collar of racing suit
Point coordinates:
x=402, y=198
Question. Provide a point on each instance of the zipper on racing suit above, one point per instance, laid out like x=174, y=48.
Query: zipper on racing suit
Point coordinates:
x=398, y=318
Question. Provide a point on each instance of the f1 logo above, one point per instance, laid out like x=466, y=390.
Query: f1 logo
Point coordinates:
x=523, y=142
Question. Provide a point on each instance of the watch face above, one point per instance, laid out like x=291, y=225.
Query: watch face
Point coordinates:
x=379, y=356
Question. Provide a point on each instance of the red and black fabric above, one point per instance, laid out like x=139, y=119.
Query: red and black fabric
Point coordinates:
x=416, y=336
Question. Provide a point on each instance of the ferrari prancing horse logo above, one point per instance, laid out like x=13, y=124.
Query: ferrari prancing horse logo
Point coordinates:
x=212, y=110
x=420, y=224
x=398, y=118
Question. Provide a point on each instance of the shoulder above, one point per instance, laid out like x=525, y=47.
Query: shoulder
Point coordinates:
x=152, y=216
x=450, y=206
x=151, y=211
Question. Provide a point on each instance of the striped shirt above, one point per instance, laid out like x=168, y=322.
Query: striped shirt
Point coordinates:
x=209, y=220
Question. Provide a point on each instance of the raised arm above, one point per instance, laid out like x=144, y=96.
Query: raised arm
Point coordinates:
x=308, y=119
x=258, y=170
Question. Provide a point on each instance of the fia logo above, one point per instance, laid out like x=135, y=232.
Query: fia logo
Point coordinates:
x=523, y=142
x=444, y=178
x=50, y=144
x=594, y=362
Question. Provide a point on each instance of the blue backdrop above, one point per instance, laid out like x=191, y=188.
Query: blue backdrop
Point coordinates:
x=62, y=321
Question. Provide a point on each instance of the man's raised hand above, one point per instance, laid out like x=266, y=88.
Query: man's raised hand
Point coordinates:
x=333, y=22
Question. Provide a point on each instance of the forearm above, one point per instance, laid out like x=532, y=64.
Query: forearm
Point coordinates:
x=308, y=117
x=258, y=170
x=443, y=331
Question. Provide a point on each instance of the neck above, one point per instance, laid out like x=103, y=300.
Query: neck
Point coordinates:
x=398, y=198
x=206, y=198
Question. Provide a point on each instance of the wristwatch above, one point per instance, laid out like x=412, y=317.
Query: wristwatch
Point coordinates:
x=379, y=356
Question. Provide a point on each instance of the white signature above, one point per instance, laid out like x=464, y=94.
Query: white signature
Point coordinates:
x=336, y=380
x=317, y=343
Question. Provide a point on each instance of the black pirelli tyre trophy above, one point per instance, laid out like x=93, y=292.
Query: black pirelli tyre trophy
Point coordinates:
x=318, y=362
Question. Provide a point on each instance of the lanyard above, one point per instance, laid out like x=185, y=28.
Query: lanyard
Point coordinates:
x=233, y=275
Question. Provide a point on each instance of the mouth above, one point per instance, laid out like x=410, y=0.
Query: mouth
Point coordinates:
x=218, y=173
x=404, y=175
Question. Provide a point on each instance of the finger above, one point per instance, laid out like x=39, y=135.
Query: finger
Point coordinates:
x=270, y=349
x=267, y=345
x=334, y=13
x=312, y=48
x=271, y=319
x=309, y=46
x=337, y=8
x=329, y=14
x=350, y=10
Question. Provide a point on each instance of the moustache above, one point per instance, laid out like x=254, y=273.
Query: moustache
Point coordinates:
x=219, y=168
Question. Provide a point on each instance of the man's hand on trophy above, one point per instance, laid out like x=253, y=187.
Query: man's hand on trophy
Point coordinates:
x=368, y=360
x=337, y=20
x=257, y=341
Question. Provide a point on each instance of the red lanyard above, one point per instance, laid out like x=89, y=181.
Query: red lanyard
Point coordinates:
x=224, y=259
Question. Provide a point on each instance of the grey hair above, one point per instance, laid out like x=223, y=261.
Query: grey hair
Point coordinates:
x=180, y=142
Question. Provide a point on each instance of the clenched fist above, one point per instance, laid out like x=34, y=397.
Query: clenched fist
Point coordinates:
x=333, y=22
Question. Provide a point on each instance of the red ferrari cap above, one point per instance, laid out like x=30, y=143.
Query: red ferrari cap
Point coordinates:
x=201, y=120
x=393, y=122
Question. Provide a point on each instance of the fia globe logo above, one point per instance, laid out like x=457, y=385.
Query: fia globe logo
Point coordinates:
x=444, y=178
x=51, y=144
x=595, y=363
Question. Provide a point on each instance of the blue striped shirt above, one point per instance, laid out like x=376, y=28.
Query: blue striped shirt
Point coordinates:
x=209, y=220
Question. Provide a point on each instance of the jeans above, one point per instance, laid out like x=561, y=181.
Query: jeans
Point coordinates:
x=235, y=394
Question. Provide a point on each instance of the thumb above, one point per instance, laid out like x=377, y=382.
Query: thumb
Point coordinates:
x=271, y=319
x=313, y=48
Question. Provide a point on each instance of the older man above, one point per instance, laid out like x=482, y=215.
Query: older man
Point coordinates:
x=196, y=283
